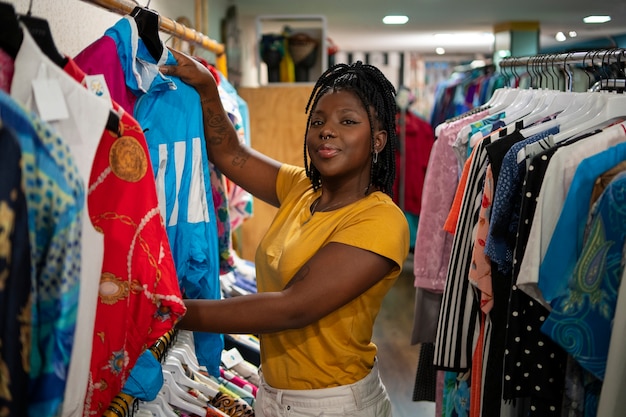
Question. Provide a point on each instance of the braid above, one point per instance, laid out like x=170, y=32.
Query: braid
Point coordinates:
x=375, y=90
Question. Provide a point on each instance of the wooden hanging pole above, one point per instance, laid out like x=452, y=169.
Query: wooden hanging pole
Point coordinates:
x=167, y=25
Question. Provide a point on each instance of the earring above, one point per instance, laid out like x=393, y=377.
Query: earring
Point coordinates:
x=375, y=156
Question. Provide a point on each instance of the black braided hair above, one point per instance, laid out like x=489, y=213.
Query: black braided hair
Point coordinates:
x=374, y=90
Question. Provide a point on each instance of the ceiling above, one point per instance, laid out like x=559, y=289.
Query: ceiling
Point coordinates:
x=356, y=25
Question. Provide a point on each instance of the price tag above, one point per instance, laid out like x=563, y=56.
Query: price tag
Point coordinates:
x=231, y=358
x=98, y=86
x=50, y=100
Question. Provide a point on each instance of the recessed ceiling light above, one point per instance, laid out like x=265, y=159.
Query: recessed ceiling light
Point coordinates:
x=560, y=36
x=440, y=51
x=597, y=19
x=395, y=20
x=572, y=34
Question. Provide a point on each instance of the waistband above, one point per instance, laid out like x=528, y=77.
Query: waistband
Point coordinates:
x=357, y=394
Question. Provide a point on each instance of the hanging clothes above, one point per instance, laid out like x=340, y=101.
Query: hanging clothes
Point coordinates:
x=419, y=140
x=15, y=283
x=54, y=195
x=523, y=272
x=175, y=135
x=79, y=123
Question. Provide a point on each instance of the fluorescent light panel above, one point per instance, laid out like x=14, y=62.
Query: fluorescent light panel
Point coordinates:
x=395, y=20
x=597, y=19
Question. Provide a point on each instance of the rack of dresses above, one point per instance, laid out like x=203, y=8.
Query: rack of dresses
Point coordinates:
x=174, y=28
x=533, y=220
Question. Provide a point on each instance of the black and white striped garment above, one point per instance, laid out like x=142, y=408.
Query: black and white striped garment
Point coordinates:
x=458, y=326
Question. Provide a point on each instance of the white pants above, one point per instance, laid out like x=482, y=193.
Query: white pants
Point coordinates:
x=365, y=398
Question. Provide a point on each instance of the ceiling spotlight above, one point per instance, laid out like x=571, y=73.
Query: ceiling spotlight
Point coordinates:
x=560, y=36
x=572, y=34
x=395, y=20
x=440, y=51
x=597, y=19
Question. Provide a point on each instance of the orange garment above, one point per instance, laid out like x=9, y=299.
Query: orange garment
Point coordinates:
x=455, y=210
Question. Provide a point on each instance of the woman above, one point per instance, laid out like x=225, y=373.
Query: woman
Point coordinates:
x=332, y=252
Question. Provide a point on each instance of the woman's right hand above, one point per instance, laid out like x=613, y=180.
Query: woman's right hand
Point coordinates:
x=249, y=169
x=191, y=72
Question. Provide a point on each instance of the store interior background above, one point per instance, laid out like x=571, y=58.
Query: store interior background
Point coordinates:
x=469, y=31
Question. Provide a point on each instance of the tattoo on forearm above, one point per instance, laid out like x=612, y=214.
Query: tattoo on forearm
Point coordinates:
x=240, y=159
x=300, y=275
x=219, y=131
x=215, y=130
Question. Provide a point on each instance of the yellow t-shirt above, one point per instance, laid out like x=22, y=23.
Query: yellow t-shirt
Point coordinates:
x=336, y=350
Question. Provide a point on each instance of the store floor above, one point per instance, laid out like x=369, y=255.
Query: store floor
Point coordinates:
x=398, y=358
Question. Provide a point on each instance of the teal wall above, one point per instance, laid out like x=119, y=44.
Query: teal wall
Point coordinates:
x=618, y=41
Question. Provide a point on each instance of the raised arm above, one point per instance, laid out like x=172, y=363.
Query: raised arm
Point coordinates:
x=251, y=170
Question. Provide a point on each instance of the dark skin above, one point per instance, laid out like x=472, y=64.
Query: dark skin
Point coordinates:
x=339, y=145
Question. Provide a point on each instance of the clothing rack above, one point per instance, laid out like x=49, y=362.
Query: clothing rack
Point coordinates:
x=592, y=62
x=123, y=404
x=586, y=57
x=174, y=28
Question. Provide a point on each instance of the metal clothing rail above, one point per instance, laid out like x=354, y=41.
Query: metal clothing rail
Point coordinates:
x=584, y=57
x=174, y=28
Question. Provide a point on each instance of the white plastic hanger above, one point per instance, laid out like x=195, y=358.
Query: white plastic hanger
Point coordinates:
x=184, y=357
x=214, y=385
x=555, y=101
x=187, y=344
x=535, y=99
x=186, y=337
x=611, y=107
x=158, y=407
x=177, y=397
x=580, y=104
x=175, y=368
x=508, y=98
x=188, y=348
x=141, y=412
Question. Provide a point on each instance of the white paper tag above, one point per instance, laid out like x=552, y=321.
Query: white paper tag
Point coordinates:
x=98, y=86
x=231, y=358
x=49, y=99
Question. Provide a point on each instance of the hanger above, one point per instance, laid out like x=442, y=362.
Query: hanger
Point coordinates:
x=158, y=407
x=11, y=34
x=178, y=351
x=40, y=31
x=535, y=99
x=580, y=104
x=177, y=397
x=610, y=107
x=175, y=367
x=556, y=101
x=148, y=28
x=615, y=78
x=146, y=413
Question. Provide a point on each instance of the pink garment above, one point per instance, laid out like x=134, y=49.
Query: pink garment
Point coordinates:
x=433, y=244
x=106, y=51
x=7, y=67
x=240, y=382
x=480, y=270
